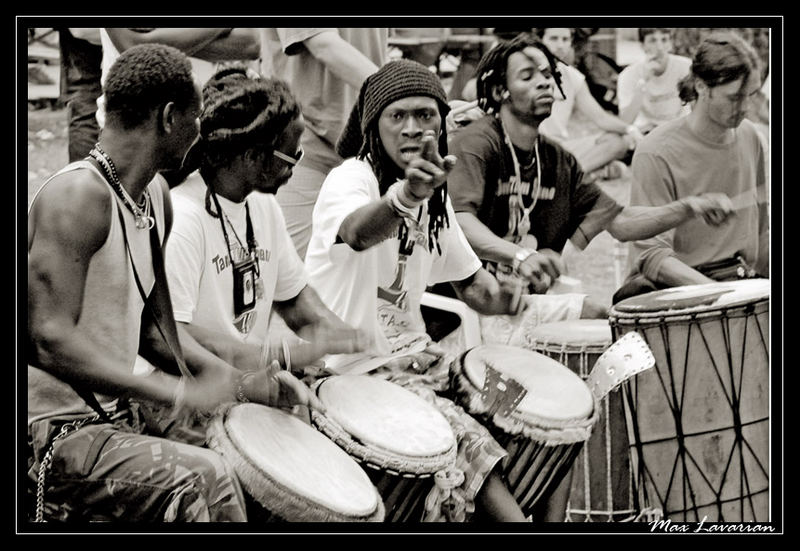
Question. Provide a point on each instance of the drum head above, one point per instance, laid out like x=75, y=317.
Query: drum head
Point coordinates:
x=300, y=459
x=573, y=332
x=697, y=298
x=386, y=416
x=553, y=391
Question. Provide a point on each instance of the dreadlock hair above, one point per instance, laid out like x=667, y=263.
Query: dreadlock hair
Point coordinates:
x=491, y=70
x=144, y=78
x=395, y=80
x=720, y=58
x=387, y=172
x=241, y=112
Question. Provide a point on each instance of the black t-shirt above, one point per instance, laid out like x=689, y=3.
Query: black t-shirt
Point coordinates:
x=481, y=184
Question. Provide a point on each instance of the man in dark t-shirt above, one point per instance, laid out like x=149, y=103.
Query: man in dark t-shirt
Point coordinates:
x=519, y=196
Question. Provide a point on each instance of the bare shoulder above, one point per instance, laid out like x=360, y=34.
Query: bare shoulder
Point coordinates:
x=72, y=207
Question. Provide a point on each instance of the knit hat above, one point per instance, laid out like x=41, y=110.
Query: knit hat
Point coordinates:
x=396, y=80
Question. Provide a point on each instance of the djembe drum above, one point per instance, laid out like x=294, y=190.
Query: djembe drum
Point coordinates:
x=544, y=431
x=699, y=423
x=405, y=444
x=601, y=488
x=292, y=470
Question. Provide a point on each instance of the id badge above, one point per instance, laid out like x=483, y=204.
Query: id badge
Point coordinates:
x=244, y=286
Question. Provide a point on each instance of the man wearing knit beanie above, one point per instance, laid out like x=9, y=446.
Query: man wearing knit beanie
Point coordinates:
x=383, y=230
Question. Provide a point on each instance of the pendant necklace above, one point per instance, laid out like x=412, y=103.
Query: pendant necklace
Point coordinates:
x=140, y=213
x=524, y=222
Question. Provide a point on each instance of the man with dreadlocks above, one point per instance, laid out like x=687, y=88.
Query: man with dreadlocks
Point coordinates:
x=519, y=195
x=382, y=230
x=97, y=295
x=230, y=259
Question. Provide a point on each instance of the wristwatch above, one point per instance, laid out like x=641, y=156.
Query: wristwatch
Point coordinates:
x=521, y=256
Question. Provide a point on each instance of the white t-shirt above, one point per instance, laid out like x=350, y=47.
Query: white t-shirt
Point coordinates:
x=661, y=102
x=198, y=264
x=350, y=282
x=556, y=125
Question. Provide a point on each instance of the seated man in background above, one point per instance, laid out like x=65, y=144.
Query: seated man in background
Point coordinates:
x=713, y=149
x=599, y=154
x=648, y=89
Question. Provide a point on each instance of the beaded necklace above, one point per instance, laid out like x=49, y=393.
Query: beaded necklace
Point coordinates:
x=141, y=213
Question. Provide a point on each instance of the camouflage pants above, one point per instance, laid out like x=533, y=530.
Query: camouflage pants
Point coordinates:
x=117, y=472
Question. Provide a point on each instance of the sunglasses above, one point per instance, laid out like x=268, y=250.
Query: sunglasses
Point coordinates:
x=291, y=159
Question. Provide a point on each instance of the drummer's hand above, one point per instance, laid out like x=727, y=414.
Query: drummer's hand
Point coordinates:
x=428, y=170
x=715, y=208
x=461, y=115
x=205, y=392
x=278, y=388
x=327, y=338
x=541, y=269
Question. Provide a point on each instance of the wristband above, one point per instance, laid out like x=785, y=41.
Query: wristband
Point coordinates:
x=240, y=396
x=402, y=204
x=521, y=256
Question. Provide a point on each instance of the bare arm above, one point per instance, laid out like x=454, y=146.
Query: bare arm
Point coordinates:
x=68, y=224
x=674, y=273
x=240, y=43
x=642, y=222
x=340, y=57
x=484, y=294
x=369, y=225
x=489, y=246
x=189, y=41
x=628, y=113
x=306, y=309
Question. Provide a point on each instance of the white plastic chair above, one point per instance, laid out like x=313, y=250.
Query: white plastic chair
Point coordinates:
x=470, y=325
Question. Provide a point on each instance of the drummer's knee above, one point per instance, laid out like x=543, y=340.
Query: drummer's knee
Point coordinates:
x=208, y=490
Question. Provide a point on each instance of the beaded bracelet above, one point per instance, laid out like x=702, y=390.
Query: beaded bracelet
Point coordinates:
x=240, y=396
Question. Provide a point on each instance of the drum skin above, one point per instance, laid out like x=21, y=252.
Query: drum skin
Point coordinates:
x=699, y=422
x=544, y=435
x=602, y=486
x=400, y=440
x=292, y=470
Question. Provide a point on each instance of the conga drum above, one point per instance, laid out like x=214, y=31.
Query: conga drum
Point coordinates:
x=404, y=443
x=292, y=470
x=699, y=422
x=544, y=431
x=602, y=487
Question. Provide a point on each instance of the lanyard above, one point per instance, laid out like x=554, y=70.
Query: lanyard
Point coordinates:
x=523, y=224
x=250, y=236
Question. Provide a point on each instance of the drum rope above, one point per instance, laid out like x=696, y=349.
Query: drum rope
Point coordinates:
x=684, y=456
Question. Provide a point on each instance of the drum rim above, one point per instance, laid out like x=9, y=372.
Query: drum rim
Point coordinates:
x=294, y=507
x=542, y=429
x=695, y=309
x=376, y=456
x=616, y=317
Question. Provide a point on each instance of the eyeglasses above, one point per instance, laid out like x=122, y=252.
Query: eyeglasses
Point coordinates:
x=292, y=160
